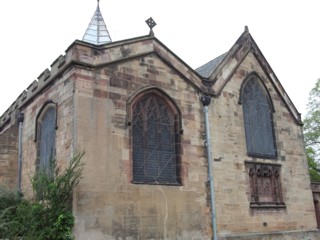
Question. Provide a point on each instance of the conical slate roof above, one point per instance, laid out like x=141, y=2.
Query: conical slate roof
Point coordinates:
x=97, y=32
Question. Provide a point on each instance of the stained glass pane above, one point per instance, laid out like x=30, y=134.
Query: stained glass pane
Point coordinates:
x=258, y=121
x=153, y=133
x=46, y=140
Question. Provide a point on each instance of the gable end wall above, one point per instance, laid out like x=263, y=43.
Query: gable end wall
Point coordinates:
x=234, y=214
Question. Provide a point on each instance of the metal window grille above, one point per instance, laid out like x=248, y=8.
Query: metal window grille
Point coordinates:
x=154, y=142
x=46, y=138
x=258, y=121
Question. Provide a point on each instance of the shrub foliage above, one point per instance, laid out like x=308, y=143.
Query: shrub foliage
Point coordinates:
x=312, y=132
x=48, y=215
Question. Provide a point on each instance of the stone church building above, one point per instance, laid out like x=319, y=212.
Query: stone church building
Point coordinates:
x=171, y=152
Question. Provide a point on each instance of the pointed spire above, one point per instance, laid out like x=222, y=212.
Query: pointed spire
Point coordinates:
x=97, y=32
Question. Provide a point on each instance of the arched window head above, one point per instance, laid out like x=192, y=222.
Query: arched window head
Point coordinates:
x=46, y=136
x=155, y=139
x=258, y=121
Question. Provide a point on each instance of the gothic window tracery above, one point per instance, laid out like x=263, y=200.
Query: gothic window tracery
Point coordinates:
x=46, y=136
x=155, y=140
x=258, y=121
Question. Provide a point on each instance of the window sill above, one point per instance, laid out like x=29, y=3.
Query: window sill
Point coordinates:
x=267, y=205
x=157, y=183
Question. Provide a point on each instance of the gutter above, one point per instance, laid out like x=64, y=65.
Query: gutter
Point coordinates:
x=206, y=100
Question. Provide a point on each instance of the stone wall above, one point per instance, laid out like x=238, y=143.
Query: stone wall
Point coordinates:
x=93, y=87
x=234, y=214
x=61, y=93
x=107, y=204
x=284, y=235
x=9, y=157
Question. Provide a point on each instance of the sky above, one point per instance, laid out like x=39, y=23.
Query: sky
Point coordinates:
x=35, y=32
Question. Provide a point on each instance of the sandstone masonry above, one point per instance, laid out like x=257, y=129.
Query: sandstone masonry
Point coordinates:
x=94, y=87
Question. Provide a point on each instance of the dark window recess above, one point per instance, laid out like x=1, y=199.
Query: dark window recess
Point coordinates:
x=155, y=140
x=317, y=211
x=46, y=138
x=258, y=121
x=265, y=185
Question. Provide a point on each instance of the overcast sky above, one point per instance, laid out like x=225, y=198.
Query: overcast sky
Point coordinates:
x=35, y=32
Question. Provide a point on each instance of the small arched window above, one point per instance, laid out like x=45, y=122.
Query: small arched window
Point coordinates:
x=46, y=136
x=258, y=121
x=155, y=139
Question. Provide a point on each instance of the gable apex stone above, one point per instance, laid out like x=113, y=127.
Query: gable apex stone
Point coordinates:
x=224, y=70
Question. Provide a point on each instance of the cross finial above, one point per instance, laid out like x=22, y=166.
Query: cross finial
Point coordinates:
x=151, y=23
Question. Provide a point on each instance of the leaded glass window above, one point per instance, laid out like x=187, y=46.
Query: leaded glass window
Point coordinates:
x=257, y=114
x=46, y=136
x=155, y=140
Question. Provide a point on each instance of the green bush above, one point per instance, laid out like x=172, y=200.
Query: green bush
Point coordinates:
x=49, y=215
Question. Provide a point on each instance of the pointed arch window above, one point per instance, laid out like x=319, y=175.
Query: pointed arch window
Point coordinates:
x=46, y=135
x=155, y=139
x=258, y=121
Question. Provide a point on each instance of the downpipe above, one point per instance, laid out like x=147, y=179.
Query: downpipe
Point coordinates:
x=206, y=100
x=20, y=119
